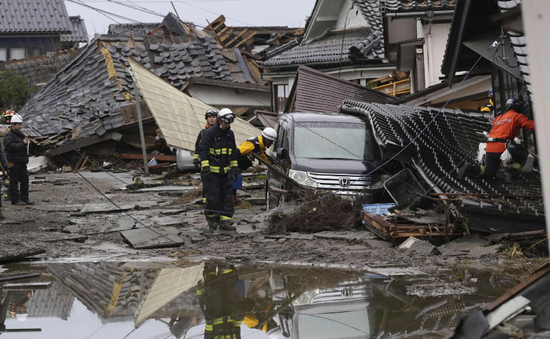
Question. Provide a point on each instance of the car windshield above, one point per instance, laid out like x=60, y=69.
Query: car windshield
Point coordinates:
x=328, y=140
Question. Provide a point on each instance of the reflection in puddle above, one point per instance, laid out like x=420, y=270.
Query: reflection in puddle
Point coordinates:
x=116, y=300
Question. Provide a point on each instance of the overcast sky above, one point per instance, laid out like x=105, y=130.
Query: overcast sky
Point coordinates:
x=290, y=13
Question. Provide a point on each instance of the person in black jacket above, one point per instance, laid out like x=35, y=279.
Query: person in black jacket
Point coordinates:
x=211, y=117
x=4, y=162
x=218, y=154
x=16, y=145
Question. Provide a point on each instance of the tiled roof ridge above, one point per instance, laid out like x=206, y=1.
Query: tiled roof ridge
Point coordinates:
x=418, y=5
x=360, y=50
x=281, y=49
x=519, y=42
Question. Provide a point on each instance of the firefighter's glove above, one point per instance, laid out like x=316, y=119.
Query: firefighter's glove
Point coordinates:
x=197, y=163
x=270, y=159
x=233, y=173
x=205, y=173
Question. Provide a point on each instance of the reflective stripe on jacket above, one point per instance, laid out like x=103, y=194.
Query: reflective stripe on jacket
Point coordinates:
x=198, y=142
x=218, y=149
x=252, y=145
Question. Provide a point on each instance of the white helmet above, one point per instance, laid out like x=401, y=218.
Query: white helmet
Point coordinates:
x=270, y=134
x=22, y=316
x=275, y=333
x=226, y=115
x=16, y=118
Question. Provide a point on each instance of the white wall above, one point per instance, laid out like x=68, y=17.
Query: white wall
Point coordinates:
x=355, y=18
x=401, y=29
x=434, y=51
x=221, y=96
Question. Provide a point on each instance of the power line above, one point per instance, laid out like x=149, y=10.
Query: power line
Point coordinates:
x=104, y=12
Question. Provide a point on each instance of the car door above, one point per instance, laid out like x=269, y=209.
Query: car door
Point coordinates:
x=274, y=179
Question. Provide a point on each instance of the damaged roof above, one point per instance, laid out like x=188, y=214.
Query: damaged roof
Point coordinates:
x=438, y=152
x=36, y=16
x=133, y=29
x=335, y=47
x=519, y=42
x=315, y=91
x=397, y=6
x=179, y=116
x=96, y=84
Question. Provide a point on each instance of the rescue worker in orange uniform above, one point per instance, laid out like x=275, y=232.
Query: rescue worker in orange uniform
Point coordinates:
x=505, y=129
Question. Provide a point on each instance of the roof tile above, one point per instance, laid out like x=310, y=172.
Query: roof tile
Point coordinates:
x=36, y=16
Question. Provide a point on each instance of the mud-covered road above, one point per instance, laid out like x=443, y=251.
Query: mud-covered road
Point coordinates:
x=72, y=221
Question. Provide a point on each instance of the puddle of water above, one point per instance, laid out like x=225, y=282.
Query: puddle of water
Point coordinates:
x=143, y=300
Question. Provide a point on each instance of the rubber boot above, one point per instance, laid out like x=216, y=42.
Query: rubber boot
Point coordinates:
x=226, y=225
x=468, y=169
x=212, y=226
x=462, y=171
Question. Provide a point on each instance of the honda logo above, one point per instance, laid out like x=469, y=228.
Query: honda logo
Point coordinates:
x=344, y=182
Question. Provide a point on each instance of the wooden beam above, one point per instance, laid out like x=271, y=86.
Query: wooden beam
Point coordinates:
x=84, y=142
x=238, y=36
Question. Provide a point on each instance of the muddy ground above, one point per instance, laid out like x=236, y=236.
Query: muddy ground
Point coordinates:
x=72, y=221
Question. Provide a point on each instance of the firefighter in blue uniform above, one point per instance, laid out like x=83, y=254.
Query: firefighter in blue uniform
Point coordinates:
x=218, y=155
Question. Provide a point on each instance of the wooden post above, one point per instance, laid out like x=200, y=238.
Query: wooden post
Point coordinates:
x=141, y=134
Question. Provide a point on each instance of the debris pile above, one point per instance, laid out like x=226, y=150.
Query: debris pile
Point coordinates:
x=327, y=214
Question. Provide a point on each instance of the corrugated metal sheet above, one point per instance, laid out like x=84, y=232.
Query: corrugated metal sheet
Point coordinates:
x=319, y=92
x=168, y=285
x=180, y=117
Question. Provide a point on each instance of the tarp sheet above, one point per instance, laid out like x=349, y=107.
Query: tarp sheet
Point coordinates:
x=168, y=285
x=179, y=116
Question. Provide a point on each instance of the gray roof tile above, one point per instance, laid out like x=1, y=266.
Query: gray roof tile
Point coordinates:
x=78, y=31
x=136, y=29
x=26, y=16
x=329, y=49
x=419, y=5
x=395, y=126
x=519, y=42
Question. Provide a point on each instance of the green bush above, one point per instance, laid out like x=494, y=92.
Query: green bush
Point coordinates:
x=11, y=85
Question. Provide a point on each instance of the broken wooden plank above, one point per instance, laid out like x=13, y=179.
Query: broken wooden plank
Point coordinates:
x=84, y=142
x=376, y=221
x=146, y=238
x=170, y=158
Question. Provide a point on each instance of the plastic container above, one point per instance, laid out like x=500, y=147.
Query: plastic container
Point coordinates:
x=379, y=209
x=238, y=184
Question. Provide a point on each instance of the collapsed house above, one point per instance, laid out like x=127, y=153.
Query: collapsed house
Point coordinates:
x=434, y=143
x=93, y=95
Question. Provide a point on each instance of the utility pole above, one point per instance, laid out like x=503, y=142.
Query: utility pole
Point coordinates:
x=141, y=134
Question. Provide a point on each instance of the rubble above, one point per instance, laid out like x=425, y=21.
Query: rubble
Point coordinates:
x=157, y=237
x=328, y=214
